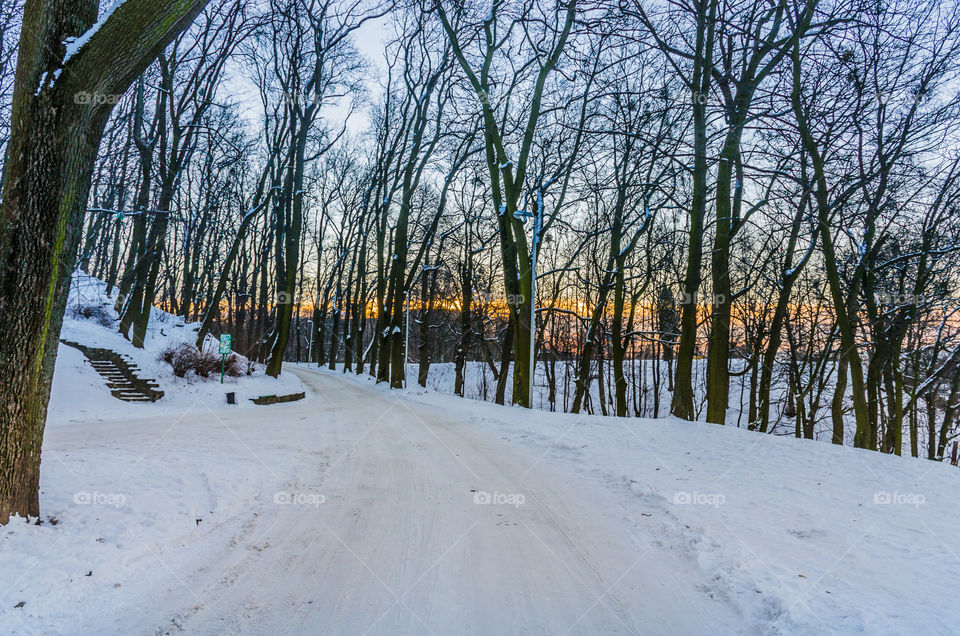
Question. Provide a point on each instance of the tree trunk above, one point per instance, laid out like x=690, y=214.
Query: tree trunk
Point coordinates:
x=55, y=134
x=682, y=403
x=466, y=326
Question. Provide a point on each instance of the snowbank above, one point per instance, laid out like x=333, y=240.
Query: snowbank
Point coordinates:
x=79, y=393
x=803, y=537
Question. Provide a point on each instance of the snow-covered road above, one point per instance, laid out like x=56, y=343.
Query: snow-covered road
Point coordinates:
x=353, y=513
x=403, y=542
x=369, y=511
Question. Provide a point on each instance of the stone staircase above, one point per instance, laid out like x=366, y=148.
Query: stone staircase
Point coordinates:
x=120, y=373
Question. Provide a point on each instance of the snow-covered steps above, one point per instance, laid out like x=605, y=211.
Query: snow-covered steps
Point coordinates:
x=120, y=374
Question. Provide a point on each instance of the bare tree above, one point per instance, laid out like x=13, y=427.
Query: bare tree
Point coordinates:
x=53, y=145
x=507, y=175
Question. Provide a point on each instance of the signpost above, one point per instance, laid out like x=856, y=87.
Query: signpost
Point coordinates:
x=225, y=339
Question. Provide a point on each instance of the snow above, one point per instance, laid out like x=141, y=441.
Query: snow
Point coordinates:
x=801, y=537
x=79, y=393
x=366, y=510
x=43, y=80
x=74, y=45
x=406, y=512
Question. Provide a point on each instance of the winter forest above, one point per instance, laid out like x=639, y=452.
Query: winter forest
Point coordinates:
x=739, y=212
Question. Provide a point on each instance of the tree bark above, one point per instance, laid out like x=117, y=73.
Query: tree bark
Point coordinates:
x=682, y=403
x=54, y=139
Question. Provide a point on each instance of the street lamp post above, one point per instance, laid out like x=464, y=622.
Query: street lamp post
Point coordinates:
x=537, y=225
x=406, y=337
x=537, y=221
x=310, y=349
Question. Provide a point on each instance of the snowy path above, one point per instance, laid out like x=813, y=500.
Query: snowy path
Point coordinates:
x=354, y=512
x=398, y=546
x=401, y=546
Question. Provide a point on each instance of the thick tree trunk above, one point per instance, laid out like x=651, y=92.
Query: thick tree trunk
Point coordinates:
x=506, y=355
x=616, y=337
x=862, y=437
x=466, y=327
x=428, y=291
x=54, y=139
x=682, y=403
x=291, y=255
x=718, y=373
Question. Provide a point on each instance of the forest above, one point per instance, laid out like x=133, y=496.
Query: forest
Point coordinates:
x=743, y=212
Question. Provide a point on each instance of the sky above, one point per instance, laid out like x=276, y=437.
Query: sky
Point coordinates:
x=370, y=40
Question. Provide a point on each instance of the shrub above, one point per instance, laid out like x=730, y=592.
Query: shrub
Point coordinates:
x=233, y=367
x=181, y=357
x=184, y=357
x=99, y=313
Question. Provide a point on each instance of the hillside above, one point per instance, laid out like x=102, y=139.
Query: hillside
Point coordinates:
x=80, y=393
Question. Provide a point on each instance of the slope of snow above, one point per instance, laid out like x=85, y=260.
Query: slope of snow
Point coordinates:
x=803, y=537
x=480, y=384
x=79, y=393
x=377, y=511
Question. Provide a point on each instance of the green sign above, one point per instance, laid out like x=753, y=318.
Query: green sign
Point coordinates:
x=225, y=343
